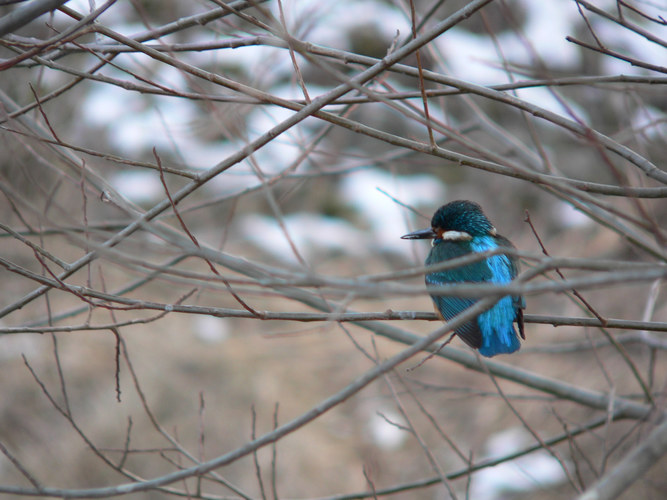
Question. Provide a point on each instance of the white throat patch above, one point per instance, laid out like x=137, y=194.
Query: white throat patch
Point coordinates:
x=456, y=236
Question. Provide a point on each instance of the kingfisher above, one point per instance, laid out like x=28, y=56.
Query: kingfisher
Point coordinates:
x=460, y=228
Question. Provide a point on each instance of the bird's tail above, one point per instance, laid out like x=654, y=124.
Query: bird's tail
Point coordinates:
x=503, y=341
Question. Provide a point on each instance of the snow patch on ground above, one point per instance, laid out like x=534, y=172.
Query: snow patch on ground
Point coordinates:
x=532, y=472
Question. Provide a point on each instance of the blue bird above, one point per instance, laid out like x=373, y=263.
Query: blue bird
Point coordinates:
x=460, y=228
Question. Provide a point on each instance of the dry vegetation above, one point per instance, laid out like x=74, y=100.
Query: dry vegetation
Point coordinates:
x=153, y=339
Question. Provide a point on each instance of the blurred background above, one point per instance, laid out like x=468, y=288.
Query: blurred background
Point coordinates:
x=166, y=215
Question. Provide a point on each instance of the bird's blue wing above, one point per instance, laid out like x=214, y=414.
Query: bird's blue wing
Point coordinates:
x=449, y=307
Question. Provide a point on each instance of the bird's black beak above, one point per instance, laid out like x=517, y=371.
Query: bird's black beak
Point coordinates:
x=422, y=234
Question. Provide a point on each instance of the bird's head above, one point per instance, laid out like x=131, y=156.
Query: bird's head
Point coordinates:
x=456, y=221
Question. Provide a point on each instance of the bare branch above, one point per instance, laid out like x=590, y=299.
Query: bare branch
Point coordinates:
x=633, y=466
